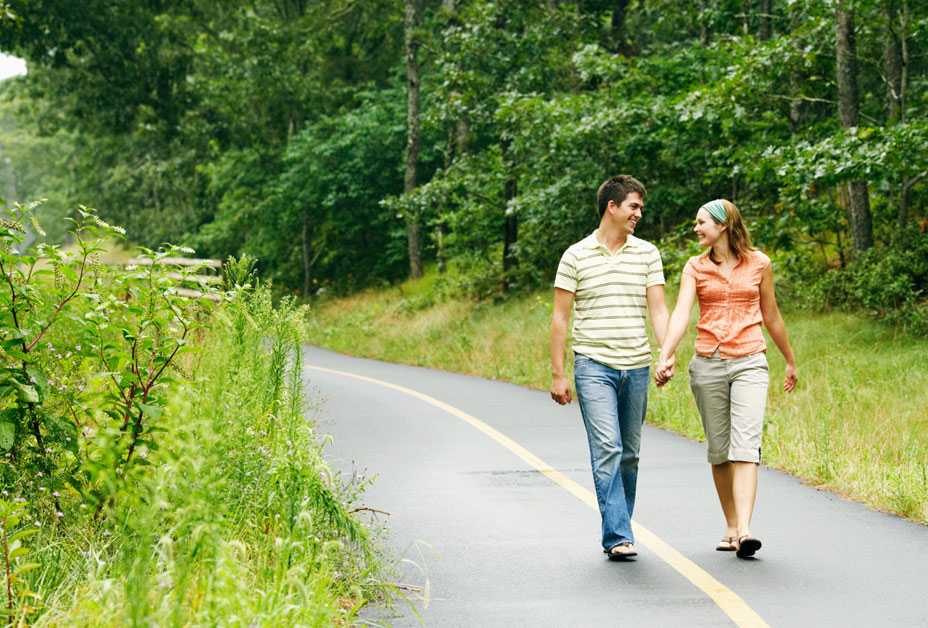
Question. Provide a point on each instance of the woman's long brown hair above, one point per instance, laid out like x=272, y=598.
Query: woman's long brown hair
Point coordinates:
x=739, y=240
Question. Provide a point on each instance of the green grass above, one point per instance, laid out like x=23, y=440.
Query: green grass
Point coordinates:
x=857, y=425
x=237, y=522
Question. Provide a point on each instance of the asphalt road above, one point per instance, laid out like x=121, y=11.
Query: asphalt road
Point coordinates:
x=492, y=541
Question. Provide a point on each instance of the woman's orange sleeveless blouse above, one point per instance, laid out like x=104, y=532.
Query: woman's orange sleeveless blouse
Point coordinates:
x=729, y=309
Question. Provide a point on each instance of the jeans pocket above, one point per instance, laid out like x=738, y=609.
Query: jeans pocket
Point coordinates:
x=581, y=362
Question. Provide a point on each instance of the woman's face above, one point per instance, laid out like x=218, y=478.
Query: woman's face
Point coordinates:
x=707, y=230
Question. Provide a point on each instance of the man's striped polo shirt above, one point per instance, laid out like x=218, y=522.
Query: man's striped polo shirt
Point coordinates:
x=610, y=299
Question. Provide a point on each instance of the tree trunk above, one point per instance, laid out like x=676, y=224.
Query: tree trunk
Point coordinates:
x=795, y=104
x=512, y=235
x=859, y=216
x=904, y=51
x=766, y=19
x=412, y=125
x=703, y=27
x=458, y=139
x=306, y=263
x=511, y=230
x=617, y=31
x=509, y=191
x=440, y=256
x=892, y=62
x=796, y=82
x=895, y=68
x=460, y=136
x=841, y=259
x=858, y=209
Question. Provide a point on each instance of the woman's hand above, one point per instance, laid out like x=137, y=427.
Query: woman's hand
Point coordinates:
x=664, y=371
x=791, y=378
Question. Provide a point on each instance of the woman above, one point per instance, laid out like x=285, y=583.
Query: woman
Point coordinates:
x=728, y=375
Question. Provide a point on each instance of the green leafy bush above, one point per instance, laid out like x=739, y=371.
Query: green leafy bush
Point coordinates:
x=159, y=444
x=891, y=282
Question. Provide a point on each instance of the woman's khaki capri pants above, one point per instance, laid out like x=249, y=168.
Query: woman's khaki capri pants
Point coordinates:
x=731, y=396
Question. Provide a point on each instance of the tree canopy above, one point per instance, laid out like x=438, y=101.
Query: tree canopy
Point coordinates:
x=279, y=127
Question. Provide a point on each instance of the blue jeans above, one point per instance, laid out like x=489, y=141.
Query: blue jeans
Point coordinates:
x=613, y=404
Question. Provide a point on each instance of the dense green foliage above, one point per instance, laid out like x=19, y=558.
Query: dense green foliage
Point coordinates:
x=277, y=128
x=156, y=463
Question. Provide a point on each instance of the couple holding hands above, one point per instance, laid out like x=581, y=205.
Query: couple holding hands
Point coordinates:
x=612, y=281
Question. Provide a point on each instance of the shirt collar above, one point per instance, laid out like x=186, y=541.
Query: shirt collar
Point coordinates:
x=592, y=243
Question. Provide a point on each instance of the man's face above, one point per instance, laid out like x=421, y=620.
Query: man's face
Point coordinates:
x=628, y=212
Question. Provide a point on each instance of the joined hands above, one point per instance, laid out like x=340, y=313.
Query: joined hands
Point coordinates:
x=665, y=370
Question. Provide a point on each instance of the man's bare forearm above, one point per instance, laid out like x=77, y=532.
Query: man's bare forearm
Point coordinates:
x=659, y=323
x=558, y=342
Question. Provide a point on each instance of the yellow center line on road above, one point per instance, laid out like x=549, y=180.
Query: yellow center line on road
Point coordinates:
x=727, y=600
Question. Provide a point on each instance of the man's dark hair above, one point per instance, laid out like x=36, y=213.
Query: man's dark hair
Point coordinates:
x=616, y=189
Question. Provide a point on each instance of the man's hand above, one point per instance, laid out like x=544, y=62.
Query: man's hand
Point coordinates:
x=560, y=390
x=665, y=370
x=563, y=302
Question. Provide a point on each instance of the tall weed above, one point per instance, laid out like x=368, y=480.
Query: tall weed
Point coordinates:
x=237, y=522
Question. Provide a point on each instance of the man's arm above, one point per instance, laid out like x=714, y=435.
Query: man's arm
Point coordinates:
x=676, y=327
x=657, y=310
x=563, y=302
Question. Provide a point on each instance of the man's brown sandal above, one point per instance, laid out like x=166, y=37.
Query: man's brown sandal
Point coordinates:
x=621, y=551
x=727, y=544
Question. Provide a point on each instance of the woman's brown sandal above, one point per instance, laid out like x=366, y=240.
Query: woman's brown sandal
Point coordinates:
x=747, y=546
x=727, y=544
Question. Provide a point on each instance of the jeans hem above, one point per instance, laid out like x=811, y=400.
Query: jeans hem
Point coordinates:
x=622, y=541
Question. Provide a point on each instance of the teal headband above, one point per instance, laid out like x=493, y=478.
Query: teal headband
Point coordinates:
x=717, y=210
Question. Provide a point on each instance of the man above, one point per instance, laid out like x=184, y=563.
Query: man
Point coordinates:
x=612, y=279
